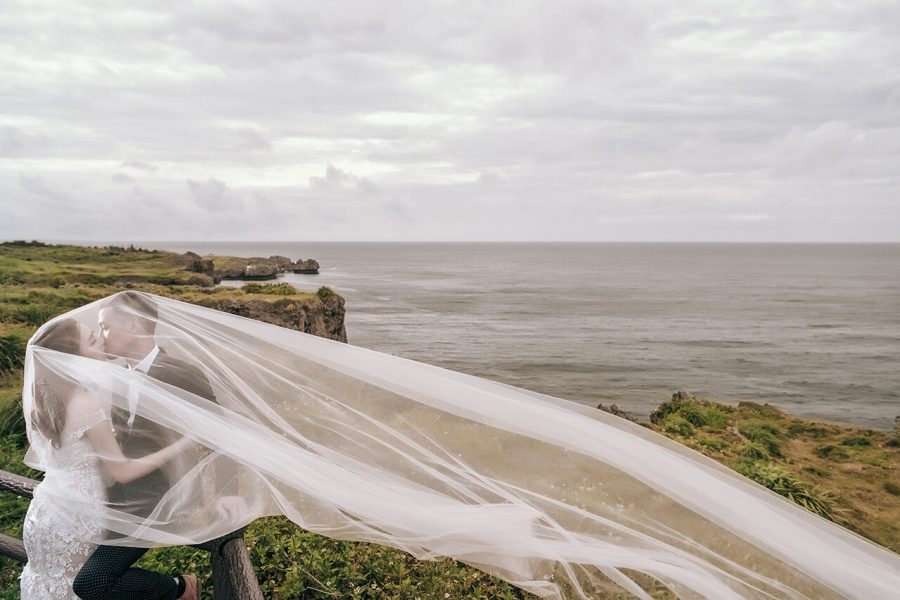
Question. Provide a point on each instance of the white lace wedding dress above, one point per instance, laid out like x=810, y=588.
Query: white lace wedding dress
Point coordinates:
x=55, y=535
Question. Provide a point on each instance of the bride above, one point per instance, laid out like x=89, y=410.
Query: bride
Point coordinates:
x=562, y=500
x=82, y=452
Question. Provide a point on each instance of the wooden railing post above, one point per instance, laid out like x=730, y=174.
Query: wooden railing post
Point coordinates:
x=12, y=547
x=18, y=485
x=233, y=575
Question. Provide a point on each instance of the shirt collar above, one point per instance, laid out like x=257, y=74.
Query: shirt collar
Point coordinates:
x=147, y=361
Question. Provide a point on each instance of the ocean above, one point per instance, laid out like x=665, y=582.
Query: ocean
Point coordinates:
x=811, y=328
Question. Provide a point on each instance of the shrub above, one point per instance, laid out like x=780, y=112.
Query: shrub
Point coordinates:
x=857, y=441
x=760, y=410
x=817, y=471
x=765, y=434
x=703, y=416
x=892, y=488
x=675, y=423
x=833, y=452
x=713, y=444
x=274, y=289
x=324, y=292
x=12, y=422
x=780, y=481
x=12, y=353
x=754, y=451
x=797, y=427
x=36, y=314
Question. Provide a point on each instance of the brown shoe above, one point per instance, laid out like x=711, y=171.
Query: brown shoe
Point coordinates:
x=191, y=587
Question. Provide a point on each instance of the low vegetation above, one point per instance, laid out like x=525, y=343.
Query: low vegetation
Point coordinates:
x=844, y=474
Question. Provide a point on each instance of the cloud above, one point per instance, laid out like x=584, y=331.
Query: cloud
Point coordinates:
x=137, y=165
x=11, y=141
x=336, y=179
x=214, y=195
x=251, y=139
x=15, y=143
x=46, y=195
x=816, y=149
x=122, y=178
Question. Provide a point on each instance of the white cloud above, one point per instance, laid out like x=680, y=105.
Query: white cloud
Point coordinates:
x=137, y=166
x=214, y=195
x=336, y=179
x=122, y=178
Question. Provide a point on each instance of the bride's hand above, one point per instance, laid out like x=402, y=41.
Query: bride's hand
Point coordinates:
x=189, y=445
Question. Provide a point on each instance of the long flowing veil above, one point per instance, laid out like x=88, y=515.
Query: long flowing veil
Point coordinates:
x=559, y=499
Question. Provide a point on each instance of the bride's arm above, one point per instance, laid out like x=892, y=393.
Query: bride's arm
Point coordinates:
x=126, y=470
x=120, y=467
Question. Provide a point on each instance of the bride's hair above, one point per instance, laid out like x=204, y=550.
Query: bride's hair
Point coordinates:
x=52, y=390
x=136, y=306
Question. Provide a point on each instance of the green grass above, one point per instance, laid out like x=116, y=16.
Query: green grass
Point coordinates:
x=781, y=481
x=805, y=461
x=273, y=289
x=832, y=452
x=764, y=434
x=860, y=442
x=58, y=266
x=675, y=423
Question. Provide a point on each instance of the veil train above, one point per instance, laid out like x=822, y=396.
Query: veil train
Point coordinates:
x=559, y=499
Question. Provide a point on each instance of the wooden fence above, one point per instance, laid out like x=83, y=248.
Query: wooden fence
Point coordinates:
x=232, y=571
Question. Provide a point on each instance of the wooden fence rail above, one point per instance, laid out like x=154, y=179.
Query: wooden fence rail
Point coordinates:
x=232, y=571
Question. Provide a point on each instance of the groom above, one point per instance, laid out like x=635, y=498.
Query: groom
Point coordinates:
x=127, y=328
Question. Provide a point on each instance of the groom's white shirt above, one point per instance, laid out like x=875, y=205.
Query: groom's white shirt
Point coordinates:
x=134, y=388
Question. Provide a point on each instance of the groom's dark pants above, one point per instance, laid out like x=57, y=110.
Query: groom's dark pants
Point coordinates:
x=108, y=575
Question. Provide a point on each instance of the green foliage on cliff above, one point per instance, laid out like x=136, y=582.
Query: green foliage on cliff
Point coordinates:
x=841, y=473
x=58, y=266
x=779, y=480
x=273, y=289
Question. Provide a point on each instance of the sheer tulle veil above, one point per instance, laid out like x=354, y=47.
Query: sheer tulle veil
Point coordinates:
x=559, y=499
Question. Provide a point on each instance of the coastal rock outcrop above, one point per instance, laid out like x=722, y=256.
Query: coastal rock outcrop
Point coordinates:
x=615, y=410
x=322, y=315
x=198, y=264
x=308, y=267
x=257, y=268
x=254, y=268
x=260, y=271
x=282, y=263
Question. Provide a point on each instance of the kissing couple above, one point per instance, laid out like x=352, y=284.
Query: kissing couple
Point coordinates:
x=108, y=467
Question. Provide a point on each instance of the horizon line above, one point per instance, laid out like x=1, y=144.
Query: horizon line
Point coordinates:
x=332, y=241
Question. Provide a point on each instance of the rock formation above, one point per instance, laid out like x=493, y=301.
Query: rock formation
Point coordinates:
x=255, y=268
x=321, y=316
x=308, y=266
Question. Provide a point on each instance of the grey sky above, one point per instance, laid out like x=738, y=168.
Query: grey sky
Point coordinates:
x=517, y=120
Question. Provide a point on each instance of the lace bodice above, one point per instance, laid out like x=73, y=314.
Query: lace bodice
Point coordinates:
x=57, y=541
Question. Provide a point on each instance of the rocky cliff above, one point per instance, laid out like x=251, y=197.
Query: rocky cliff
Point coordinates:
x=321, y=315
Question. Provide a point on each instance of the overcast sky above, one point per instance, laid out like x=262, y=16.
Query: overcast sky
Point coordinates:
x=519, y=120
